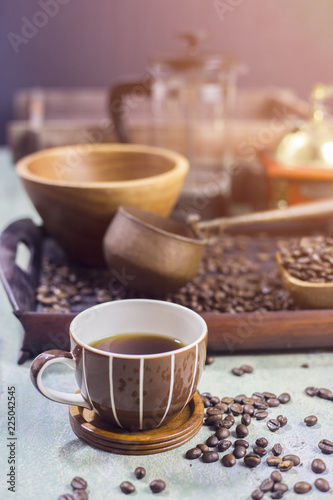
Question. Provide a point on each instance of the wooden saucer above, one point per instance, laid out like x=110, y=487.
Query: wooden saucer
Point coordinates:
x=87, y=425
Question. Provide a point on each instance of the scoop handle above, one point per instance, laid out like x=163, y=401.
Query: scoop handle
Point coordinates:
x=296, y=212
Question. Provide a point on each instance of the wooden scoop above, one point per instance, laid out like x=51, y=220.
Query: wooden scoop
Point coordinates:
x=158, y=255
x=305, y=294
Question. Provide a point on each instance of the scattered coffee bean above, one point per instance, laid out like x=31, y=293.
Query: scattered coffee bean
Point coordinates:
x=240, y=398
x=311, y=420
x=326, y=446
x=247, y=368
x=276, y=476
x=213, y=420
x=260, y=414
x=311, y=391
x=239, y=452
x=302, y=487
x=236, y=409
x=140, y=472
x=277, y=494
x=294, y=458
x=203, y=447
x=157, y=485
x=193, y=453
x=222, y=433
x=258, y=395
x=273, y=425
x=267, y=485
x=241, y=430
x=269, y=395
x=252, y=460
x=80, y=495
x=241, y=442
x=212, y=441
x=249, y=409
x=257, y=495
x=227, y=400
x=227, y=423
x=238, y=372
x=78, y=483
x=318, y=466
x=127, y=487
x=210, y=456
x=209, y=360
x=273, y=461
x=214, y=400
x=66, y=496
x=325, y=394
x=282, y=420
x=224, y=445
x=262, y=442
x=273, y=402
x=249, y=401
x=222, y=406
x=246, y=419
x=258, y=450
x=230, y=417
x=260, y=405
x=277, y=449
x=279, y=486
x=206, y=401
x=284, y=398
x=228, y=460
x=305, y=365
x=285, y=465
x=321, y=484
x=213, y=410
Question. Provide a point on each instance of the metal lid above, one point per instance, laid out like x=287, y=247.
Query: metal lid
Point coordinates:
x=311, y=144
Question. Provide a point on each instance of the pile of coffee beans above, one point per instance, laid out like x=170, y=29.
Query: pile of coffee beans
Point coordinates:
x=308, y=258
x=79, y=486
x=231, y=279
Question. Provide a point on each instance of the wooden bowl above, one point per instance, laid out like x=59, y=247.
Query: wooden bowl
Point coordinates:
x=305, y=294
x=77, y=189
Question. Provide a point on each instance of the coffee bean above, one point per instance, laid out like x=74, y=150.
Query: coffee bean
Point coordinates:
x=213, y=410
x=209, y=360
x=241, y=430
x=273, y=402
x=260, y=405
x=210, y=456
x=262, y=442
x=246, y=419
x=193, y=453
x=239, y=399
x=247, y=368
x=277, y=494
x=222, y=433
x=258, y=450
x=241, y=442
x=206, y=401
x=236, y=409
x=311, y=420
x=249, y=401
x=66, y=496
x=213, y=419
x=252, y=460
x=257, y=495
x=140, y=472
x=321, y=484
x=258, y=395
x=206, y=395
x=277, y=449
x=269, y=395
x=273, y=425
x=227, y=400
x=80, y=495
x=127, y=487
x=282, y=420
x=279, y=486
x=239, y=452
x=284, y=398
x=238, y=372
x=276, y=476
x=249, y=409
x=230, y=417
x=294, y=458
x=311, y=391
x=326, y=446
x=285, y=465
x=266, y=485
x=302, y=487
x=78, y=483
x=260, y=414
x=228, y=460
x=214, y=400
x=157, y=485
x=318, y=466
x=224, y=445
x=227, y=423
x=203, y=447
x=325, y=394
x=305, y=365
x=222, y=406
x=273, y=461
x=212, y=441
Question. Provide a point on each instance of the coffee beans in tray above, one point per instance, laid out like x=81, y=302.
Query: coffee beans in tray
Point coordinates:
x=308, y=258
x=237, y=274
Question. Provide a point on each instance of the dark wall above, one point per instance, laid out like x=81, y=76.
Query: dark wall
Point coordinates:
x=95, y=42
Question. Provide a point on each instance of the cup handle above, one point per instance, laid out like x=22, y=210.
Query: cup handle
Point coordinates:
x=46, y=359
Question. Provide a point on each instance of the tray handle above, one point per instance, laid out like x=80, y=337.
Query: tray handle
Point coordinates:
x=20, y=283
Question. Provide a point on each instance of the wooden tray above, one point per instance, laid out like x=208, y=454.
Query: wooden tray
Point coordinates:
x=228, y=333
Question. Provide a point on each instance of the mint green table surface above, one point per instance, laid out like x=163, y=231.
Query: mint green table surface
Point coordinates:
x=48, y=454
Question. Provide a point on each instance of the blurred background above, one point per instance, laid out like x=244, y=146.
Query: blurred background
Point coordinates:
x=284, y=48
